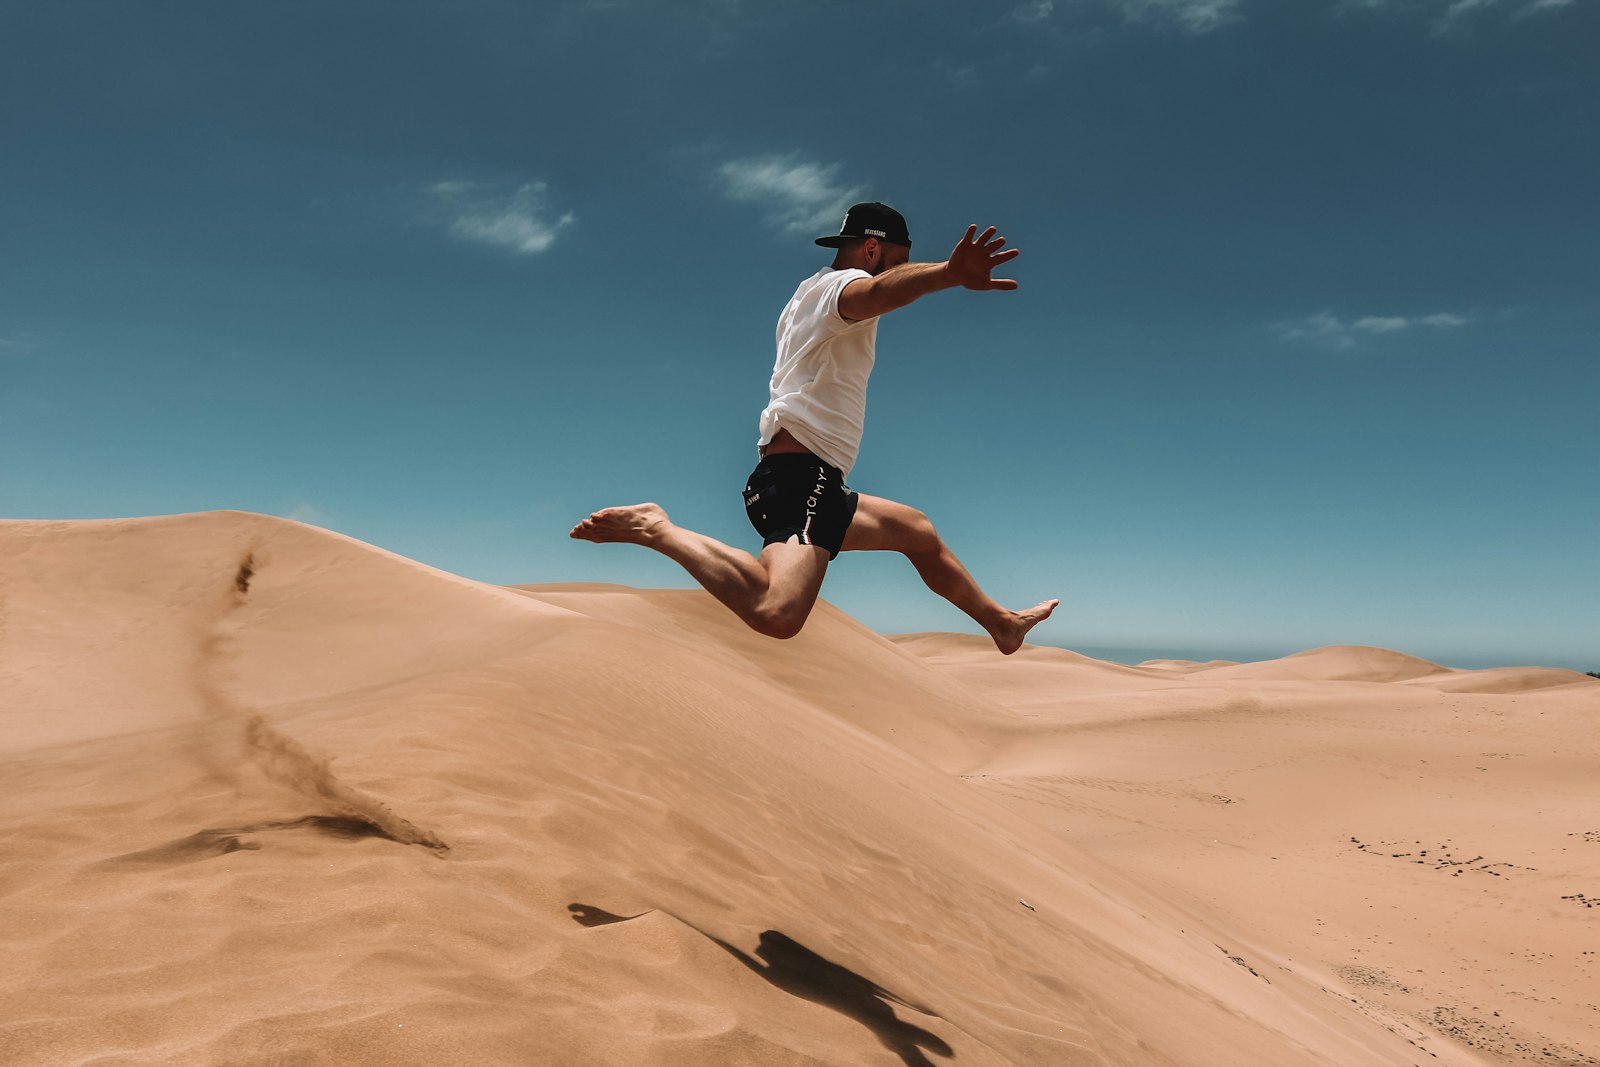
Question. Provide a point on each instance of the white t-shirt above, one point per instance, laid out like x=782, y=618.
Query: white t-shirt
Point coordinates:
x=819, y=383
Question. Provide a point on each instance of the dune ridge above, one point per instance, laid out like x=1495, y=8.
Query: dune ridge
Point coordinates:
x=647, y=835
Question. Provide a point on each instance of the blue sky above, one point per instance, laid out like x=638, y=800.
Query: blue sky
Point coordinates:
x=1304, y=353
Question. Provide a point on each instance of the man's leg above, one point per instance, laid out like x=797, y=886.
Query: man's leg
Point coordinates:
x=884, y=526
x=773, y=595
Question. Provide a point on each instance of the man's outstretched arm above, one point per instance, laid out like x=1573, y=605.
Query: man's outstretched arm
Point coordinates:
x=971, y=265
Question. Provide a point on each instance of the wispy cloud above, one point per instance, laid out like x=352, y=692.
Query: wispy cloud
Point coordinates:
x=1446, y=17
x=1455, y=19
x=1032, y=12
x=1330, y=331
x=1543, y=5
x=1322, y=328
x=798, y=196
x=1380, y=324
x=521, y=220
x=1195, y=16
x=17, y=344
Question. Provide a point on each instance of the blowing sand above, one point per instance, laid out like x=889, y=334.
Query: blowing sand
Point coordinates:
x=269, y=795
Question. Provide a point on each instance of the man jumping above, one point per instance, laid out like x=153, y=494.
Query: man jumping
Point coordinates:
x=810, y=435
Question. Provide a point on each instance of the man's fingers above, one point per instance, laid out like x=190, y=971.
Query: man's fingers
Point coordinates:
x=979, y=254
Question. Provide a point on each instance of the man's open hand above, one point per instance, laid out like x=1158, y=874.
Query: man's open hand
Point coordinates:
x=975, y=258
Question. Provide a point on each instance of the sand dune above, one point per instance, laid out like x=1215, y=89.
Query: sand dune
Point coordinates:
x=1416, y=837
x=1335, y=663
x=274, y=796
x=1503, y=680
x=1187, y=666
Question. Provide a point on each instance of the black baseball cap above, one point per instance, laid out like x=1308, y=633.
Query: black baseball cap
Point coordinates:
x=870, y=220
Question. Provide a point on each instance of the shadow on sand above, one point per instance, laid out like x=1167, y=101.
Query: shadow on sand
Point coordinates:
x=800, y=972
x=797, y=970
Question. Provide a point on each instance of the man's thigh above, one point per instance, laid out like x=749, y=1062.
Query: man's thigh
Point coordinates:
x=794, y=573
x=883, y=525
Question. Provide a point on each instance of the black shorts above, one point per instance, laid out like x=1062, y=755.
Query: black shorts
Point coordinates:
x=796, y=494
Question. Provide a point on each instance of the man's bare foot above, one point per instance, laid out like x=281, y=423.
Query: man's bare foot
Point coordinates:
x=1008, y=635
x=637, y=524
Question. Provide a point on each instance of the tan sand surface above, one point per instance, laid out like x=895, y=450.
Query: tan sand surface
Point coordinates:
x=1421, y=840
x=269, y=795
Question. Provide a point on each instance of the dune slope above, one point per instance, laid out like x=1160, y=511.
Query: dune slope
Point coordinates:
x=276, y=796
x=1422, y=838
